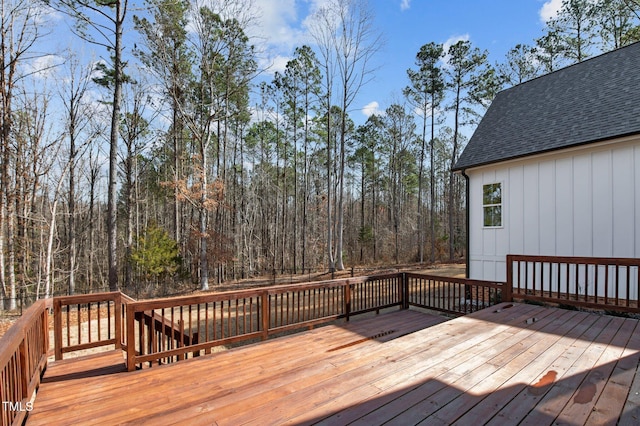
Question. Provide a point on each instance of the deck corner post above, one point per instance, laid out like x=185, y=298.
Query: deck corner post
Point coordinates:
x=118, y=319
x=57, y=328
x=45, y=333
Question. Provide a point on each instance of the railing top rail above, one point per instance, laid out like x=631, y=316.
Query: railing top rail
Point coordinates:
x=87, y=298
x=14, y=335
x=126, y=298
x=458, y=280
x=330, y=283
x=253, y=292
x=623, y=261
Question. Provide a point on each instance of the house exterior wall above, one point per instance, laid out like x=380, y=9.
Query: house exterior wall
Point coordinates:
x=577, y=202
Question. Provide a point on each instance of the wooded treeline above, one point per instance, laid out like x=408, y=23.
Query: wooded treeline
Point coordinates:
x=216, y=172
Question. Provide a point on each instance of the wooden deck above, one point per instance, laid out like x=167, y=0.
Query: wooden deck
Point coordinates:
x=510, y=364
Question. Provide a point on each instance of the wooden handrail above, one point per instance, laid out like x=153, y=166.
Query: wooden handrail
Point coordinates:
x=458, y=296
x=592, y=282
x=23, y=358
x=112, y=335
x=222, y=318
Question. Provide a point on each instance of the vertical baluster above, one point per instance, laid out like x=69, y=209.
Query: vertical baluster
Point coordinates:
x=606, y=284
x=236, y=318
x=617, y=269
x=100, y=325
x=214, y=321
x=229, y=333
x=628, y=280
x=596, y=282
x=163, y=335
x=171, y=336
x=206, y=326
x=198, y=331
x=575, y=280
x=79, y=323
x=88, y=322
x=181, y=334
x=152, y=333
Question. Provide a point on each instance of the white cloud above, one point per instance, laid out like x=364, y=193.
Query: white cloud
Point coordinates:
x=43, y=66
x=371, y=108
x=279, y=29
x=274, y=63
x=275, y=21
x=550, y=10
x=450, y=42
x=405, y=4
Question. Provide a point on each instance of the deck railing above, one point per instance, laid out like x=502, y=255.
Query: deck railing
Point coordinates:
x=23, y=359
x=167, y=330
x=88, y=321
x=592, y=282
x=458, y=296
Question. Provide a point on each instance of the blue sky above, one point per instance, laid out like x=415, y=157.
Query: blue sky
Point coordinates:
x=494, y=25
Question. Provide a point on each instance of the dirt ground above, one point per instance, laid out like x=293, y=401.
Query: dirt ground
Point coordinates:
x=446, y=270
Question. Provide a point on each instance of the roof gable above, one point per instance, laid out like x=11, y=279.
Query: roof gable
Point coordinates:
x=587, y=102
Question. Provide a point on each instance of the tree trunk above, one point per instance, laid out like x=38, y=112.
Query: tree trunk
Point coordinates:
x=204, y=264
x=451, y=176
x=112, y=208
x=72, y=205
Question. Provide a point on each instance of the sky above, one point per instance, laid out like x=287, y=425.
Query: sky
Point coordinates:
x=406, y=25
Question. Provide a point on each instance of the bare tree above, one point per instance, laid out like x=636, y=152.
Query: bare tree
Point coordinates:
x=347, y=40
x=426, y=92
x=106, y=19
x=135, y=131
x=76, y=110
x=19, y=31
x=224, y=62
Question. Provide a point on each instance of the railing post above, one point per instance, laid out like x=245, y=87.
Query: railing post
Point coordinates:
x=57, y=328
x=118, y=319
x=131, y=344
x=508, y=293
x=347, y=299
x=45, y=332
x=266, y=320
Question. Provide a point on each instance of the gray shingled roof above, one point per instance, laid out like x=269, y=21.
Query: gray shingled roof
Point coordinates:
x=591, y=101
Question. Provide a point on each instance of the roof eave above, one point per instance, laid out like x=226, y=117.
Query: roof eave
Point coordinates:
x=463, y=167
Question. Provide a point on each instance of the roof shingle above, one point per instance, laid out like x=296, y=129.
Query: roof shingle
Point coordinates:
x=587, y=102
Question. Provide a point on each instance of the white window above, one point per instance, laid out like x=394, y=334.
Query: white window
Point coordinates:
x=492, y=205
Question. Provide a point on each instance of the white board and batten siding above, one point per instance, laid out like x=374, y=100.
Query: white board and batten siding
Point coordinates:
x=582, y=201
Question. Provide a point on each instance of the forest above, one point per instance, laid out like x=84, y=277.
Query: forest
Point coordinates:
x=195, y=167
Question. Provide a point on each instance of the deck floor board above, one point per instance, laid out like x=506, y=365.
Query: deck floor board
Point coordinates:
x=502, y=365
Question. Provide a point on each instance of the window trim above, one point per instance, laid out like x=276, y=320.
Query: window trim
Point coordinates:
x=501, y=205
